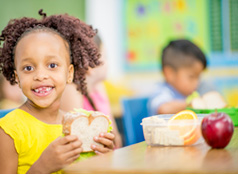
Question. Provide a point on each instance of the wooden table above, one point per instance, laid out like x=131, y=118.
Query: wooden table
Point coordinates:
x=140, y=158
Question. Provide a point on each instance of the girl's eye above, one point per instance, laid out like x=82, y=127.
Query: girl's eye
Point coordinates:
x=53, y=65
x=28, y=68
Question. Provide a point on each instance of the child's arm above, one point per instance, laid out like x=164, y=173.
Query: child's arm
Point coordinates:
x=107, y=140
x=61, y=152
x=8, y=154
x=115, y=131
x=172, y=107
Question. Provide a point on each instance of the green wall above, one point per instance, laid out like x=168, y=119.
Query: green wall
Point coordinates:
x=10, y=9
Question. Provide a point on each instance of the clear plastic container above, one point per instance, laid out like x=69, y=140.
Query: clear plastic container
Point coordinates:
x=159, y=130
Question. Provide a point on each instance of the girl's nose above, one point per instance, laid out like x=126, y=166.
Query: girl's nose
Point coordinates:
x=41, y=75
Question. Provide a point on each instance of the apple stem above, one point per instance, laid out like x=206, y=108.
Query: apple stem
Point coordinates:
x=215, y=112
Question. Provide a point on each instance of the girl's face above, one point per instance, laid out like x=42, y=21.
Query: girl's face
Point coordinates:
x=43, y=68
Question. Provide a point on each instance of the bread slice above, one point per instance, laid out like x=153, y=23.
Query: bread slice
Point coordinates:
x=210, y=100
x=86, y=126
x=198, y=103
x=214, y=100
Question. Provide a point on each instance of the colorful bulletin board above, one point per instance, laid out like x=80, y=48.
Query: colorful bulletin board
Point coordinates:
x=150, y=24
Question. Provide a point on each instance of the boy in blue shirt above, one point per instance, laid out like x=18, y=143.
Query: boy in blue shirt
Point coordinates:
x=182, y=65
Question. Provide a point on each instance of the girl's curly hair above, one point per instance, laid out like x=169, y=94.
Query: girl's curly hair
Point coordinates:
x=83, y=52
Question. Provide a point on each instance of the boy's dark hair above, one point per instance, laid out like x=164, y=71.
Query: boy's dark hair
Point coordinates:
x=83, y=52
x=180, y=53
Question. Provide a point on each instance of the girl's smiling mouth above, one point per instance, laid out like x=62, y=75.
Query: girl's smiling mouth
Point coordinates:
x=43, y=90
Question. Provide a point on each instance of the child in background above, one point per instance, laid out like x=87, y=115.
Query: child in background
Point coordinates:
x=97, y=98
x=11, y=96
x=182, y=65
x=42, y=56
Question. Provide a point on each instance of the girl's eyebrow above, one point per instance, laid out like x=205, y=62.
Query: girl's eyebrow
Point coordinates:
x=27, y=59
x=52, y=56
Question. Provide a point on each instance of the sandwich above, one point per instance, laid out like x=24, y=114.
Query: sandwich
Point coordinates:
x=86, y=125
x=210, y=100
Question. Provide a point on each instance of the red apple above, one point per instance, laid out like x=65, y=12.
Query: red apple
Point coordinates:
x=217, y=129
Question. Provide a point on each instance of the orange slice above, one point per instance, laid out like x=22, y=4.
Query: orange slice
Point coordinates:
x=194, y=137
x=186, y=123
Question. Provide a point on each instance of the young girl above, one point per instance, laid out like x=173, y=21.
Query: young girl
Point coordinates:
x=42, y=56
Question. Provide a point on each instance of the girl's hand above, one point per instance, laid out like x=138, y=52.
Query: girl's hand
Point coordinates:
x=61, y=152
x=107, y=140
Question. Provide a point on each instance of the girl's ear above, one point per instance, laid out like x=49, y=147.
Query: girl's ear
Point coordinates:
x=17, y=79
x=71, y=74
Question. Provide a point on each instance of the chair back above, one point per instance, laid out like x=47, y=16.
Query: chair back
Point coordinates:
x=4, y=112
x=134, y=110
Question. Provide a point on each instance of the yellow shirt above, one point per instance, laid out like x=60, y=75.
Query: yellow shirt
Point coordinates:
x=31, y=136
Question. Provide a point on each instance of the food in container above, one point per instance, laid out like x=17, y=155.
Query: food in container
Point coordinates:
x=173, y=130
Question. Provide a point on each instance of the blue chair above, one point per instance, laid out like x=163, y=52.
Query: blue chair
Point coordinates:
x=4, y=112
x=135, y=109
